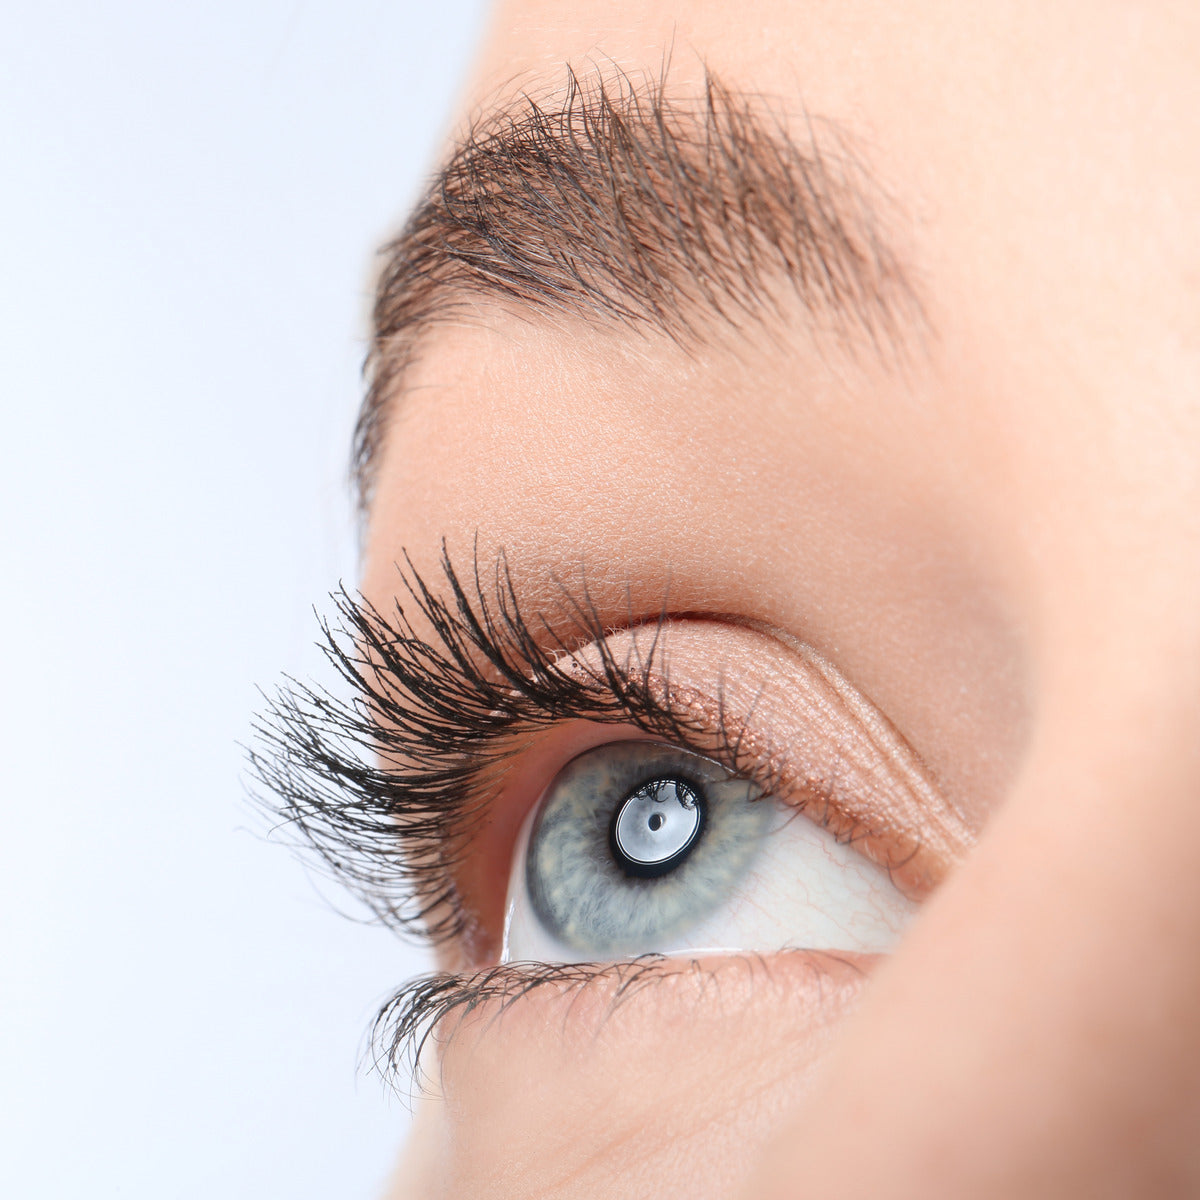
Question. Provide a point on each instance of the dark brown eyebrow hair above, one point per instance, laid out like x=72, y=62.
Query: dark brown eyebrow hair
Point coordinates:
x=620, y=205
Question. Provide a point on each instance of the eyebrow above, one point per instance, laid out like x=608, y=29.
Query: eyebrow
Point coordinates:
x=614, y=203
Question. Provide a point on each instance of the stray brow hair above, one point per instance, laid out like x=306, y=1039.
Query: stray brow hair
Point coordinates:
x=617, y=204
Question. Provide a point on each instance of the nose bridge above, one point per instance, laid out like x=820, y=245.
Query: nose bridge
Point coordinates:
x=1118, y=669
x=1097, y=852
x=1110, y=794
x=1060, y=967
x=1083, y=914
x=1110, y=548
x=1051, y=988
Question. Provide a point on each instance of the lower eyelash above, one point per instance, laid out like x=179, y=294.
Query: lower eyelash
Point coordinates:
x=433, y=1007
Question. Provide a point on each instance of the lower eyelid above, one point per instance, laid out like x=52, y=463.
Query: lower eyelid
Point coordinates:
x=620, y=1006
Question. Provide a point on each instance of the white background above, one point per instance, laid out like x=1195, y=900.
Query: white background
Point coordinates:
x=190, y=195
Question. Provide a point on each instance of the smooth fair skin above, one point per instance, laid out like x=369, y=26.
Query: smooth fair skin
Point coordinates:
x=992, y=533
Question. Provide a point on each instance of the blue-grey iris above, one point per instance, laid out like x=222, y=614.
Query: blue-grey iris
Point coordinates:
x=635, y=843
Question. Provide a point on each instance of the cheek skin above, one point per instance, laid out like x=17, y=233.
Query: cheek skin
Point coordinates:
x=669, y=1090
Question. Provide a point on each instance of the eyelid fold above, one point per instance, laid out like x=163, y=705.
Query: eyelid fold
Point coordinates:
x=789, y=719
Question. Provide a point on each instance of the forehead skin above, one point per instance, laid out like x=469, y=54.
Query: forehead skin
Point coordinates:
x=994, y=533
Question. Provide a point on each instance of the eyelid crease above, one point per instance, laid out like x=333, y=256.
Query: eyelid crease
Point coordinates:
x=799, y=729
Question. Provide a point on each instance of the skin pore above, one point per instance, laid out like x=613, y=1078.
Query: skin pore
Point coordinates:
x=984, y=516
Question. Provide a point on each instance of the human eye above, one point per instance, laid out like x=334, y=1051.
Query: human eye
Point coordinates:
x=641, y=847
x=543, y=796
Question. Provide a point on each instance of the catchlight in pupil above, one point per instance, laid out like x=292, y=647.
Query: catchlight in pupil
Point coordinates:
x=655, y=828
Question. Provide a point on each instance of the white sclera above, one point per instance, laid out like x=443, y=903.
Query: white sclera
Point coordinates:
x=805, y=890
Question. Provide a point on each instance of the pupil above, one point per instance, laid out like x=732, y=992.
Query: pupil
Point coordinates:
x=655, y=827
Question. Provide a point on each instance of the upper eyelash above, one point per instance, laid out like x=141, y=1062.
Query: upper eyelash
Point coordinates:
x=445, y=708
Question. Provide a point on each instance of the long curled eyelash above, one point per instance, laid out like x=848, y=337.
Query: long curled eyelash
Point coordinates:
x=387, y=785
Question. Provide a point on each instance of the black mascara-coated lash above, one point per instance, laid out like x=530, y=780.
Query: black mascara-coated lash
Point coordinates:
x=386, y=786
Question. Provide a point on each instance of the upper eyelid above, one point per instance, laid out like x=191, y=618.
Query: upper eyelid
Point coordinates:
x=440, y=711
x=791, y=721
